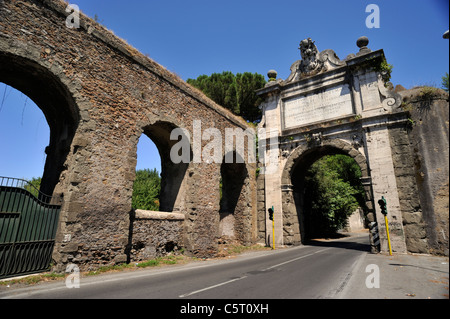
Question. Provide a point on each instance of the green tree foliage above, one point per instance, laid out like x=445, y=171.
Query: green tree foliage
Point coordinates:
x=146, y=190
x=234, y=92
x=34, y=186
x=445, y=82
x=332, y=193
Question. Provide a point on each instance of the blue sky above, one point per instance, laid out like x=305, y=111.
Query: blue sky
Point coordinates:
x=197, y=37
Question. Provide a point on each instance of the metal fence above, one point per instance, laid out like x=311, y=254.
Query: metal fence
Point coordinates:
x=28, y=224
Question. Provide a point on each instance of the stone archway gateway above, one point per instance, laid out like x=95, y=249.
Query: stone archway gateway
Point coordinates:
x=331, y=106
x=293, y=174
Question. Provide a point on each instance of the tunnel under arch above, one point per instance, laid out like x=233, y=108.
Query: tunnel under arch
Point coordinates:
x=294, y=225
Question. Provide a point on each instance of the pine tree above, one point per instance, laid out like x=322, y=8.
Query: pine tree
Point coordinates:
x=234, y=92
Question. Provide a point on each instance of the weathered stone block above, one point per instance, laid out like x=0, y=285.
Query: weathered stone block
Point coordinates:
x=70, y=248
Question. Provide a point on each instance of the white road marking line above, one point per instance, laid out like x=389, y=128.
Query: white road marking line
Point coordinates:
x=212, y=287
x=295, y=259
x=240, y=278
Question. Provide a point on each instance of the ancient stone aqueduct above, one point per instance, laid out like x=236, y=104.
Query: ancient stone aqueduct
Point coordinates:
x=100, y=95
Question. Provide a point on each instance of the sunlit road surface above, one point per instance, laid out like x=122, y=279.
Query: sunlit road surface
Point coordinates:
x=318, y=270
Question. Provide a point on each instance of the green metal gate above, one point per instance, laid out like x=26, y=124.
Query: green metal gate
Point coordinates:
x=28, y=224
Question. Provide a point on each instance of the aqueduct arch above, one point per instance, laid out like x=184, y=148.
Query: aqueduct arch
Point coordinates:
x=20, y=69
x=234, y=210
x=173, y=175
x=100, y=95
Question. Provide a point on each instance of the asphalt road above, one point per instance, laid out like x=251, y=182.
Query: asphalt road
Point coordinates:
x=320, y=270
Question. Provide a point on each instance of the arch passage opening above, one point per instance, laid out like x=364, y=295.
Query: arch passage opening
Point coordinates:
x=164, y=190
x=54, y=100
x=24, y=135
x=231, y=211
x=328, y=195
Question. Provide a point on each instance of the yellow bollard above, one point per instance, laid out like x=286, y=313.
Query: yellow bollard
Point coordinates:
x=387, y=232
x=273, y=233
x=383, y=205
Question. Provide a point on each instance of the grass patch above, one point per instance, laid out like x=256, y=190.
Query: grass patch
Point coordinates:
x=160, y=261
x=236, y=249
x=111, y=268
x=148, y=263
x=34, y=279
x=167, y=260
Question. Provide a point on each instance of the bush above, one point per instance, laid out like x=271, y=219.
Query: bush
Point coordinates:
x=333, y=193
x=146, y=190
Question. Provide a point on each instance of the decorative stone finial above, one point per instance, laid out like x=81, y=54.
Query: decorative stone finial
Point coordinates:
x=362, y=42
x=272, y=74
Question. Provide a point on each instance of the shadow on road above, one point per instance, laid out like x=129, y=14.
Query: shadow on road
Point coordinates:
x=348, y=243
